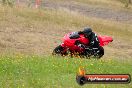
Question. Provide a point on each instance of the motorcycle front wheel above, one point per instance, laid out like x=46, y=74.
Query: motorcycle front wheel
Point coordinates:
x=100, y=52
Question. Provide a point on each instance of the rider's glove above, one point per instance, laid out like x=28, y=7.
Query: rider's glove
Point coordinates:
x=91, y=43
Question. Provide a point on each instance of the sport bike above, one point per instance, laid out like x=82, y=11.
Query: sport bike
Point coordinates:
x=75, y=44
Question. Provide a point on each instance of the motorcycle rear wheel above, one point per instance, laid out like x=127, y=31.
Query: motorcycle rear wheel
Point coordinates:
x=59, y=50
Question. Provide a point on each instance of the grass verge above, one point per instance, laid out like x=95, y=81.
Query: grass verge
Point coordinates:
x=56, y=72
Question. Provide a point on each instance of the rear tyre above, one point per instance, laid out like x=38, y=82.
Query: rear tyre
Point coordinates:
x=59, y=50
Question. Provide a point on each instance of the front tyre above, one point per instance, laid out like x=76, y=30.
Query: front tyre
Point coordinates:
x=100, y=52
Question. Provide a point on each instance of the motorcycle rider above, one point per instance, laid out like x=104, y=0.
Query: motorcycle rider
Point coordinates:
x=91, y=36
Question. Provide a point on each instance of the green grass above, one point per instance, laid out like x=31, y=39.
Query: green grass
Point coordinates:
x=55, y=72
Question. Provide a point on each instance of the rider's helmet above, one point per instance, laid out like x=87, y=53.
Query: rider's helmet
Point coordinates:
x=87, y=31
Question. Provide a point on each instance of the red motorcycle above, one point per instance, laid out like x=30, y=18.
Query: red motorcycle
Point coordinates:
x=77, y=44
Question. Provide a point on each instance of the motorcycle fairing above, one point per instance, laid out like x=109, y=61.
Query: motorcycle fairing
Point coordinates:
x=104, y=40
